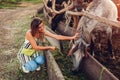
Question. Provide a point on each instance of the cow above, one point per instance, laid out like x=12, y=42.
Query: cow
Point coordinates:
x=101, y=8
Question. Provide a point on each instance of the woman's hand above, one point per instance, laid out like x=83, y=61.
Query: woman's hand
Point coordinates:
x=76, y=35
x=52, y=48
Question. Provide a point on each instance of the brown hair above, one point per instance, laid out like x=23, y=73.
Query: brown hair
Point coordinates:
x=35, y=27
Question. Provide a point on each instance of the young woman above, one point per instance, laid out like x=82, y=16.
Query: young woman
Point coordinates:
x=37, y=32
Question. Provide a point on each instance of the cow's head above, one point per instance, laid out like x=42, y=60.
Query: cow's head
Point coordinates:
x=79, y=49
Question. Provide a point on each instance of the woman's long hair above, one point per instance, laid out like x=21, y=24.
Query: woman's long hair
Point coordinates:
x=35, y=28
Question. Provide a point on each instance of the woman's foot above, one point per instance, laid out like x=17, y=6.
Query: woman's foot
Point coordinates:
x=24, y=70
x=39, y=68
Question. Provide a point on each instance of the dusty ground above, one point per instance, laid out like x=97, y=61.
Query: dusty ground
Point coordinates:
x=11, y=22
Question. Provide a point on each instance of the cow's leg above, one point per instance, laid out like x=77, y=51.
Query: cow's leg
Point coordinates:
x=99, y=42
x=86, y=52
x=92, y=45
x=109, y=39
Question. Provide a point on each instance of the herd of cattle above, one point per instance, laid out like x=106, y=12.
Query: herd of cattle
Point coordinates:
x=59, y=10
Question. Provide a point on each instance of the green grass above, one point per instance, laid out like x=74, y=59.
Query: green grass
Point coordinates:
x=8, y=5
x=65, y=64
x=14, y=3
x=32, y=1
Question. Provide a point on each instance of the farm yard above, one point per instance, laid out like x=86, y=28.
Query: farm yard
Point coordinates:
x=12, y=31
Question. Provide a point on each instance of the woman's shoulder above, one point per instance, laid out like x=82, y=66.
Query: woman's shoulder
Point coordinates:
x=28, y=33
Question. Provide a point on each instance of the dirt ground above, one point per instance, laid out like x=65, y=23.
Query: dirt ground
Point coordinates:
x=11, y=22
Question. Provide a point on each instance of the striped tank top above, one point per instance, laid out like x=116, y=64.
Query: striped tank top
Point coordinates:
x=24, y=58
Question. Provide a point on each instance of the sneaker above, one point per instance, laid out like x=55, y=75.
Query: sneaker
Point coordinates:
x=39, y=68
x=24, y=70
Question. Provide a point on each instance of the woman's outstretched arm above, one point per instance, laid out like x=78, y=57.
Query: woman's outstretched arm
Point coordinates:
x=34, y=44
x=60, y=37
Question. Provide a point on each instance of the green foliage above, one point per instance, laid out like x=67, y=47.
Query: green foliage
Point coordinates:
x=9, y=1
x=15, y=3
x=65, y=64
x=33, y=1
x=7, y=5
